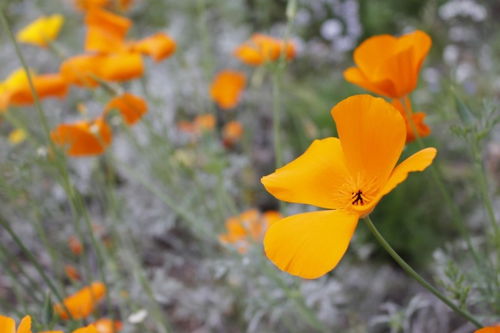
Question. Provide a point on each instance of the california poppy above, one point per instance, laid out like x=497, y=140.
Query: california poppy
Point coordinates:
x=158, y=46
x=226, y=88
x=130, y=106
x=262, y=48
x=87, y=329
x=17, y=136
x=348, y=176
x=489, y=329
x=83, y=138
x=106, y=325
x=231, y=133
x=201, y=123
x=105, y=31
x=81, y=304
x=42, y=31
x=417, y=120
x=247, y=227
x=75, y=246
x=72, y=273
x=90, y=4
x=388, y=65
x=8, y=325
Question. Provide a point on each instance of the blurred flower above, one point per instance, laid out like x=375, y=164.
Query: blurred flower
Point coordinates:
x=105, y=31
x=261, y=49
x=8, y=325
x=106, y=325
x=346, y=175
x=83, y=138
x=75, y=245
x=231, y=133
x=226, y=88
x=17, y=136
x=158, y=46
x=389, y=66
x=417, y=119
x=90, y=4
x=489, y=329
x=42, y=31
x=201, y=123
x=16, y=89
x=72, y=273
x=82, y=70
x=81, y=304
x=87, y=329
x=130, y=106
x=247, y=227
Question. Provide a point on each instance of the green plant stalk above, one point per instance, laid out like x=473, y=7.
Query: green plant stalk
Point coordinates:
x=408, y=269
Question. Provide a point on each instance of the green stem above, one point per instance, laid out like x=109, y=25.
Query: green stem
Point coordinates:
x=407, y=268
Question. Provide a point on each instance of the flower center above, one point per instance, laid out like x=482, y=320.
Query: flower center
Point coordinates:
x=358, y=199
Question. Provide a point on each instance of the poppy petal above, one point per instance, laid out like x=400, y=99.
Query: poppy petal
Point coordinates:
x=313, y=178
x=7, y=324
x=416, y=162
x=158, y=46
x=372, y=134
x=420, y=43
x=357, y=77
x=370, y=53
x=489, y=329
x=130, y=106
x=310, y=245
x=25, y=325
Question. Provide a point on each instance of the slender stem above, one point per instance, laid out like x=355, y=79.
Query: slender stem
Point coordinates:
x=277, y=119
x=407, y=268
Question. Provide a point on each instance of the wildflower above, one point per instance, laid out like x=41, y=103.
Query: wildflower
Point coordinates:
x=8, y=325
x=489, y=329
x=42, y=31
x=106, y=325
x=90, y=4
x=348, y=176
x=201, y=123
x=16, y=90
x=84, y=70
x=261, y=49
x=130, y=106
x=247, y=227
x=72, y=273
x=75, y=245
x=231, y=133
x=105, y=31
x=158, y=46
x=17, y=136
x=87, y=329
x=226, y=88
x=83, y=138
x=81, y=304
x=417, y=120
x=389, y=66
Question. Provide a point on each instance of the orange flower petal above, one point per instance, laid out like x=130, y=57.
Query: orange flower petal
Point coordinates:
x=47, y=85
x=372, y=134
x=88, y=329
x=313, y=178
x=232, y=132
x=416, y=162
x=82, y=304
x=106, y=31
x=105, y=325
x=489, y=329
x=7, y=324
x=90, y=4
x=226, y=88
x=249, y=55
x=158, y=46
x=121, y=67
x=25, y=325
x=130, y=106
x=357, y=77
x=372, y=52
x=310, y=245
x=81, y=70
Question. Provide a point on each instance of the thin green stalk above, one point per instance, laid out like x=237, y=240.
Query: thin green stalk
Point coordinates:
x=408, y=269
x=277, y=120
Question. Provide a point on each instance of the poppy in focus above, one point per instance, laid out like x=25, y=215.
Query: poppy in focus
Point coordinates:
x=226, y=88
x=83, y=138
x=347, y=176
x=388, y=65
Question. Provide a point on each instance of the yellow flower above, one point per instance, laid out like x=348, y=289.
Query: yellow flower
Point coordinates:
x=348, y=176
x=17, y=136
x=8, y=325
x=42, y=31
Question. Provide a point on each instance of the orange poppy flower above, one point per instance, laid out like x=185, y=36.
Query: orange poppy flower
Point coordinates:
x=83, y=138
x=72, y=273
x=42, y=31
x=489, y=329
x=261, y=48
x=90, y=4
x=158, y=46
x=81, y=304
x=389, y=66
x=106, y=325
x=231, y=133
x=83, y=69
x=347, y=176
x=247, y=227
x=8, y=325
x=105, y=31
x=87, y=329
x=417, y=118
x=130, y=106
x=16, y=90
x=226, y=88
x=200, y=124
x=75, y=245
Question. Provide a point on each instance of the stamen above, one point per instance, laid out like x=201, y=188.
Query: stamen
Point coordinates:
x=357, y=198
